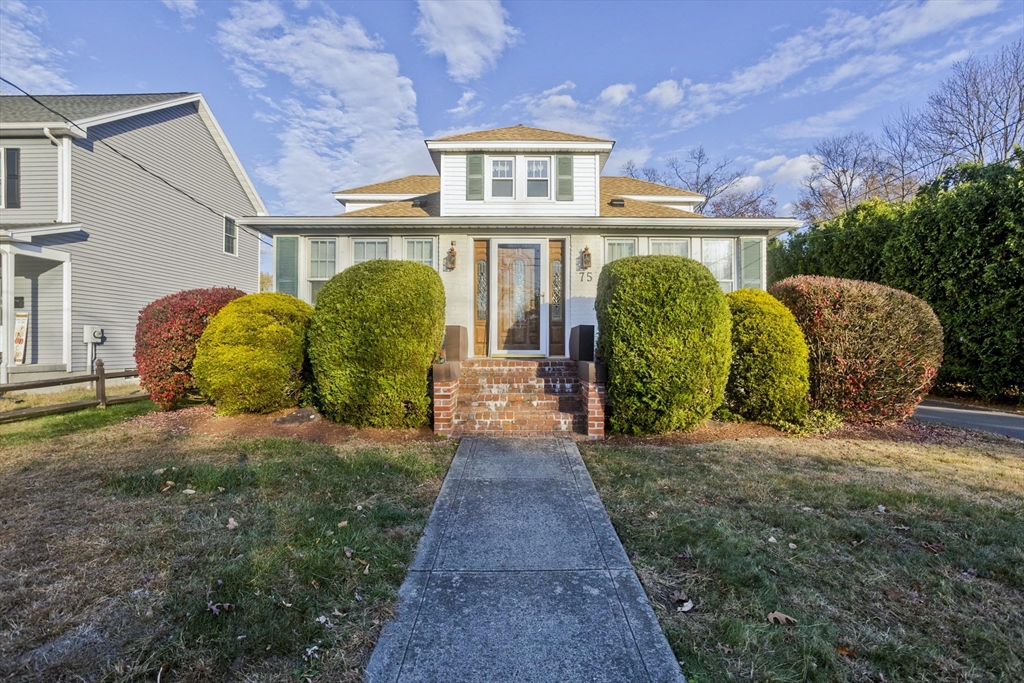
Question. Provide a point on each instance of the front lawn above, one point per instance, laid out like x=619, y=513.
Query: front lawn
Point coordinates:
x=900, y=555
x=269, y=559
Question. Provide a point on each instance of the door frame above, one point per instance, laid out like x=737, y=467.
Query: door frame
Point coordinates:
x=542, y=244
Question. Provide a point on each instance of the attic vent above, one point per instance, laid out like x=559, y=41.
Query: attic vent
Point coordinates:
x=618, y=202
x=419, y=202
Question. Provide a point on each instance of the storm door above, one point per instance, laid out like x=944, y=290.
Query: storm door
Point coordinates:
x=520, y=320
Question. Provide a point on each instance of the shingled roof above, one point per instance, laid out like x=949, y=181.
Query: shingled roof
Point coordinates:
x=22, y=109
x=410, y=184
x=518, y=133
x=406, y=208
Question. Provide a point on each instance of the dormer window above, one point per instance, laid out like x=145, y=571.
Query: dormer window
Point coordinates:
x=537, y=178
x=502, y=183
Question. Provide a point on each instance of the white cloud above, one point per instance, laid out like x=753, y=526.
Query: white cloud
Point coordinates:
x=466, y=106
x=349, y=116
x=617, y=94
x=556, y=109
x=24, y=58
x=471, y=34
x=665, y=94
x=620, y=155
x=769, y=164
x=188, y=9
x=792, y=171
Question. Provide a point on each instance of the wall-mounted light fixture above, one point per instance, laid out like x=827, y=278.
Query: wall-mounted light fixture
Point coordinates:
x=585, y=259
x=449, y=260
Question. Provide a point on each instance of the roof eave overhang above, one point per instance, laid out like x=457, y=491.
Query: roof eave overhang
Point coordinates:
x=26, y=234
x=271, y=224
x=383, y=198
x=35, y=130
x=663, y=198
x=513, y=145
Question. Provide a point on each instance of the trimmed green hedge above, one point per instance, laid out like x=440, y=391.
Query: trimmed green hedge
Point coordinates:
x=665, y=336
x=874, y=351
x=251, y=357
x=377, y=328
x=768, y=379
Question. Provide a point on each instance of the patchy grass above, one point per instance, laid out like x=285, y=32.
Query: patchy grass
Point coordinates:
x=109, y=573
x=900, y=560
x=51, y=426
x=17, y=400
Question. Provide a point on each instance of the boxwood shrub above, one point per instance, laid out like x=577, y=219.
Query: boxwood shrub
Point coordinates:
x=768, y=376
x=377, y=328
x=665, y=336
x=251, y=357
x=874, y=350
x=165, y=340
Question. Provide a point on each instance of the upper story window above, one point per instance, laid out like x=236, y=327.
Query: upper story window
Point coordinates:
x=230, y=236
x=502, y=182
x=10, y=178
x=537, y=178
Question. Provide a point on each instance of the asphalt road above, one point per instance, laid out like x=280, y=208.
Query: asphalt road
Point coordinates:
x=1007, y=424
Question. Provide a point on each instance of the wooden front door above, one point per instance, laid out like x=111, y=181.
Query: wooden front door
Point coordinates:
x=518, y=300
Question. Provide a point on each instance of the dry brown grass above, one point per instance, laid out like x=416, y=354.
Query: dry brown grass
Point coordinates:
x=16, y=400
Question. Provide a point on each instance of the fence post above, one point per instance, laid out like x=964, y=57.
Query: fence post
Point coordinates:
x=101, y=383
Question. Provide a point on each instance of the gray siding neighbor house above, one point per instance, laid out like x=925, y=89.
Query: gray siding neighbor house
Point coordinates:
x=88, y=237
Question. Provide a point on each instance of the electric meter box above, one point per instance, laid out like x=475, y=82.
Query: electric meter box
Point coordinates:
x=92, y=334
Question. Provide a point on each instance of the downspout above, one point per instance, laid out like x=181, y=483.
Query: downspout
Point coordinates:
x=47, y=133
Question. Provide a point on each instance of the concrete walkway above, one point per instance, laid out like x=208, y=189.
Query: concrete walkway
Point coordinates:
x=519, y=577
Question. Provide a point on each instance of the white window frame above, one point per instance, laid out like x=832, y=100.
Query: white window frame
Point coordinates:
x=224, y=234
x=489, y=194
x=733, y=266
x=309, y=264
x=435, y=257
x=620, y=240
x=3, y=176
x=683, y=240
x=352, y=250
x=526, y=180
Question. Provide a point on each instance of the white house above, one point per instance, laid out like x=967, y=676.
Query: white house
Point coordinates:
x=518, y=223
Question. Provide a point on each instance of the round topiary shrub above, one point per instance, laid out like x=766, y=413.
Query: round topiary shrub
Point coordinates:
x=377, y=328
x=874, y=350
x=165, y=340
x=664, y=332
x=251, y=357
x=768, y=376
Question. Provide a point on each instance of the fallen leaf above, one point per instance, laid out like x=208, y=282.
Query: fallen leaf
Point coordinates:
x=149, y=612
x=367, y=570
x=652, y=515
x=343, y=523
x=286, y=604
x=771, y=539
x=348, y=551
x=157, y=473
x=900, y=527
x=167, y=485
x=727, y=649
x=336, y=613
x=846, y=651
x=892, y=594
x=359, y=598
x=792, y=546
x=685, y=607
x=881, y=508
x=780, y=619
x=189, y=492
x=222, y=490
x=934, y=548
x=970, y=574
x=232, y=524
x=807, y=509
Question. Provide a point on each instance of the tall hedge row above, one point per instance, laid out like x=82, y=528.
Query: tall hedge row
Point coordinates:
x=959, y=245
x=874, y=351
x=665, y=336
x=165, y=340
x=376, y=330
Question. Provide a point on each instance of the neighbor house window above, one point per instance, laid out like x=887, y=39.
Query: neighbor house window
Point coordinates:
x=369, y=250
x=230, y=236
x=322, y=261
x=420, y=251
x=10, y=178
x=502, y=184
x=718, y=256
x=670, y=247
x=537, y=178
x=616, y=249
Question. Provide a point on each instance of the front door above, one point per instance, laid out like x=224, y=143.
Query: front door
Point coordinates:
x=520, y=322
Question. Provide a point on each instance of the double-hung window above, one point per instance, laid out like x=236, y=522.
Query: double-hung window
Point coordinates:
x=323, y=257
x=420, y=251
x=676, y=247
x=620, y=248
x=537, y=178
x=368, y=250
x=502, y=183
x=718, y=256
x=230, y=236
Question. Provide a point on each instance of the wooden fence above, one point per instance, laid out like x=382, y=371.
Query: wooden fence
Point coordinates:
x=99, y=376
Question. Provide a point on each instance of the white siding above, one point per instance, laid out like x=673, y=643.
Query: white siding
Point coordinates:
x=38, y=181
x=143, y=240
x=453, y=190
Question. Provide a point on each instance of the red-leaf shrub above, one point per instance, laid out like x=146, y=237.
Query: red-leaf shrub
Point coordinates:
x=874, y=350
x=166, y=336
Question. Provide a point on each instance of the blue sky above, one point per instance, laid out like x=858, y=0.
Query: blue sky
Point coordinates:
x=318, y=96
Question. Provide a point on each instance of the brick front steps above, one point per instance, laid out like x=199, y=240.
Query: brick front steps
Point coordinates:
x=505, y=397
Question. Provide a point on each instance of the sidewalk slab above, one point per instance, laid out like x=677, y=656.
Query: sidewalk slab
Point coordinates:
x=520, y=577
